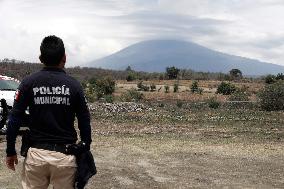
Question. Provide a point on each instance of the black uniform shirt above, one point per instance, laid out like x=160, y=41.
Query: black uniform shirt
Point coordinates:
x=54, y=99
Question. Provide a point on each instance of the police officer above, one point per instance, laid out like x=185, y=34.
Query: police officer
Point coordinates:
x=54, y=99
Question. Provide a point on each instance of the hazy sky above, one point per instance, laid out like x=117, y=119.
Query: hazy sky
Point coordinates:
x=94, y=28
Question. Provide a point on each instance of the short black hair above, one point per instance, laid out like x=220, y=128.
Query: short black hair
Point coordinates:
x=52, y=50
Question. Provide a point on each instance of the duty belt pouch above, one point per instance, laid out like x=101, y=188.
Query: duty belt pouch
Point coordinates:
x=26, y=143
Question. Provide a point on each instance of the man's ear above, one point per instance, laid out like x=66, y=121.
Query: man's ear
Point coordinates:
x=63, y=61
x=64, y=58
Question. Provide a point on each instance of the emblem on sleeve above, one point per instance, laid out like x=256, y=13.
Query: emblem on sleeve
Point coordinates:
x=17, y=95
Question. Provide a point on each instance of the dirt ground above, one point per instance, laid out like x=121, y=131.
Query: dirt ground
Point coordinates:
x=172, y=161
x=166, y=148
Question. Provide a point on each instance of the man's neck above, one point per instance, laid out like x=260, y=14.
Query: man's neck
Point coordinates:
x=55, y=67
x=59, y=66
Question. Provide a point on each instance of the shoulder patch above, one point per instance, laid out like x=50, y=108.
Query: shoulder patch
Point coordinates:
x=17, y=95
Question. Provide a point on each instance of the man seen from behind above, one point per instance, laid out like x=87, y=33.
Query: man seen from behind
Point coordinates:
x=53, y=99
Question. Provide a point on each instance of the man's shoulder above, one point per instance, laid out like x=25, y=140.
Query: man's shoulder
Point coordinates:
x=43, y=76
x=73, y=80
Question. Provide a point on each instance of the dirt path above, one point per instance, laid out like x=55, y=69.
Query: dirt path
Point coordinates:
x=166, y=162
x=149, y=161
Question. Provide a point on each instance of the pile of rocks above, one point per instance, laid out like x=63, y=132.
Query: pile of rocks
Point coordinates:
x=119, y=107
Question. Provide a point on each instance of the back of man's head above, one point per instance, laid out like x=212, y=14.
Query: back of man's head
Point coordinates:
x=52, y=50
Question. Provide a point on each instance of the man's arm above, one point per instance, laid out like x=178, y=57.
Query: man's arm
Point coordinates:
x=12, y=130
x=83, y=116
x=14, y=123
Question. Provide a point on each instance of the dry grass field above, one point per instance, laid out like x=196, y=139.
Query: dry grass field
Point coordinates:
x=209, y=89
x=145, y=145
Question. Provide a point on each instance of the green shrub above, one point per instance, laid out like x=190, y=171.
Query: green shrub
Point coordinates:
x=226, y=88
x=104, y=86
x=200, y=91
x=146, y=88
x=172, y=72
x=167, y=89
x=194, y=87
x=269, y=79
x=239, y=95
x=89, y=92
x=131, y=95
x=236, y=74
x=272, y=97
x=131, y=76
x=280, y=76
x=152, y=87
x=109, y=98
x=142, y=87
x=90, y=97
x=176, y=87
x=213, y=103
x=93, y=81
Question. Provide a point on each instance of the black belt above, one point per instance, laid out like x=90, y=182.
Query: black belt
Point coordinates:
x=51, y=147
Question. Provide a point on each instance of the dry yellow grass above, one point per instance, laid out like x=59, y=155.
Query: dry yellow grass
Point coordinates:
x=184, y=93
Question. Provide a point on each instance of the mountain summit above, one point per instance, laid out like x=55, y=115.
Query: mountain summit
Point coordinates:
x=156, y=55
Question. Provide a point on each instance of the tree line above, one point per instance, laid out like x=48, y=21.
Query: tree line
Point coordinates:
x=20, y=69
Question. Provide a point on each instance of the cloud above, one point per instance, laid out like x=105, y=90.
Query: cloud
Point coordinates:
x=153, y=25
x=254, y=25
x=94, y=28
